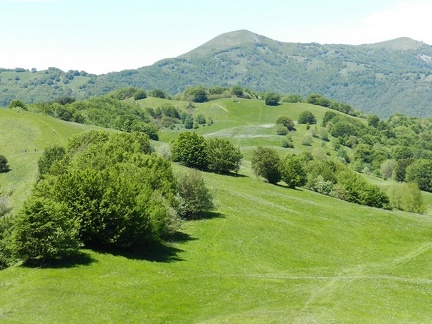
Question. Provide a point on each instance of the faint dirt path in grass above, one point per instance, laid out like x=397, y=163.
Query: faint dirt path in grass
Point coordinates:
x=222, y=107
x=325, y=294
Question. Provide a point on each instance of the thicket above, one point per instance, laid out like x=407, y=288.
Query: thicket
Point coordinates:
x=102, y=190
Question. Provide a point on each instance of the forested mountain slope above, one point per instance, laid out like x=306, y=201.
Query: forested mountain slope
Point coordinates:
x=382, y=78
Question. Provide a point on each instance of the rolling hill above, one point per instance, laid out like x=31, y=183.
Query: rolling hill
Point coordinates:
x=266, y=254
x=382, y=78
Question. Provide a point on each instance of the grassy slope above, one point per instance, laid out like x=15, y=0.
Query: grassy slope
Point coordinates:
x=269, y=254
x=23, y=137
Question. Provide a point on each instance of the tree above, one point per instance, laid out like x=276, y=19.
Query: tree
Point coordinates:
x=190, y=149
x=44, y=231
x=196, y=94
x=266, y=163
x=271, y=99
x=373, y=120
x=157, y=93
x=237, y=91
x=50, y=159
x=287, y=141
x=140, y=94
x=17, y=103
x=195, y=197
x=306, y=117
x=222, y=155
x=4, y=164
x=292, y=172
x=407, y=197
x=420, y=172
x=286, y=121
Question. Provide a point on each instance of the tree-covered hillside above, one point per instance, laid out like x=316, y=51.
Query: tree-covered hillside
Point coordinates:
x=383, y=78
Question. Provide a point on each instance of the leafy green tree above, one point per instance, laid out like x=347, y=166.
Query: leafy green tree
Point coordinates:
x=4, y=164
x=140, y=94
x=387, y=168
x=373, y=120
x=281, y=129
x=266, y=163
x=18, y=103
x=237, y=91
x=158, y=93
x=399, y=170
x=407, y=197
x=50, y=160
x=271, y=99
x=292, y=172
x=420, y=172
x=306, y=117
x=287, y=141
x=195, y=197
x=286, y=121
x=44, y=231
x=222, y=155
x=190, y=149
x=196, y=94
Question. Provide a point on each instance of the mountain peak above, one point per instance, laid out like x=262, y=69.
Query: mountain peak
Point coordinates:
x=401, y=44
x=227, y=40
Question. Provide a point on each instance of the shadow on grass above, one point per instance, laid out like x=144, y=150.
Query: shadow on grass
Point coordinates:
x=286, y=187
x=164, y=252
x=74, y=260
x=207, y=215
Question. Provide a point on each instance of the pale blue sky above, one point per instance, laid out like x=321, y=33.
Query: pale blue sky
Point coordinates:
x=100, y=36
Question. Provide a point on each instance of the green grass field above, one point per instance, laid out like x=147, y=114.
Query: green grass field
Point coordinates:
x=267, y=254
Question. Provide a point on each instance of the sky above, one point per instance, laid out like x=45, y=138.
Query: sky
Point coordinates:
x=101, y=36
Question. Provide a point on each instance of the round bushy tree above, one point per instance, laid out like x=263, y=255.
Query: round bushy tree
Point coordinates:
x=292, y=172
x=44, y=231
x=222, y=155
x=286, y=121
x=190, y=149
x=266, y=163
x=420, y=172
x=306, y=117
x=195, y=197
x=271, y=99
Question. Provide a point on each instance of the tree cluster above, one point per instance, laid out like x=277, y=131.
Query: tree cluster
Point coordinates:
x=214, y=154
x=103, y=190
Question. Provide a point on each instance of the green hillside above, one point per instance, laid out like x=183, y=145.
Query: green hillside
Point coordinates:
x=23, y=137
x=266, y=254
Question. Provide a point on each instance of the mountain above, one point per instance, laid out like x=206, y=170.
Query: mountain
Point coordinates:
x=382, y=78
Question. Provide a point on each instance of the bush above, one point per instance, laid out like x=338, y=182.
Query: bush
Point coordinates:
x=292, y=172
x=44, y=230
x=49, y=161
x=287, y=141
x=306, y=117
x=271, y=99
x=195, y=197
x=407, y=197
x=286, y=121
x=281, y=129
x=190, y=150
x=266, y=163
x=4, y=164
x=420, y=171
x=222, y=155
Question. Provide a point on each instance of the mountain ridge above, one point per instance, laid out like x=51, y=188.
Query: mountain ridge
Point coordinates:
x=388, y=77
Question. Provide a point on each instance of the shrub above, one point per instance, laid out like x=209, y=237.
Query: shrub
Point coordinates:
x=271, y=99
x=266, y=163
x=292, y=172
x=195, y=197
x=286, y=121
x=190, y=150
x=287, y=141
x=281, y=129
x=407, y=197
x=44, y=230
x=222, y=155
x=420, y=171
x=4, y=164
x=306, y=117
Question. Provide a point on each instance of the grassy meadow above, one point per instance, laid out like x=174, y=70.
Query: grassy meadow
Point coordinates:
x=266, y=254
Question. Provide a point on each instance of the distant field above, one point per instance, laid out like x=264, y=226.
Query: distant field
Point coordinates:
x=267, y=254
